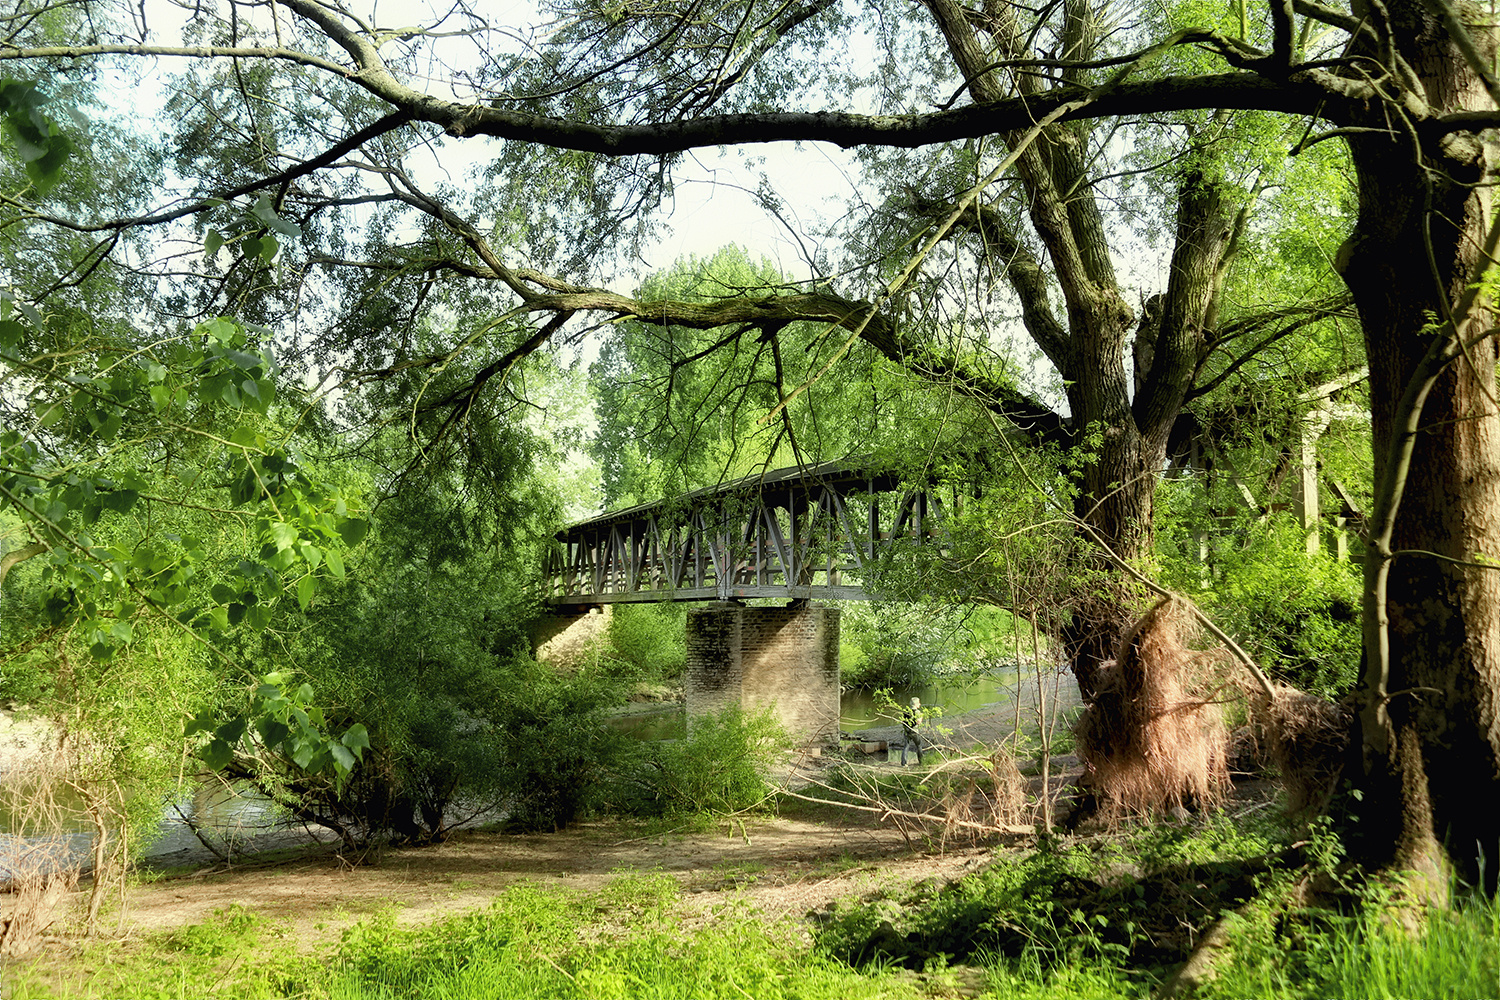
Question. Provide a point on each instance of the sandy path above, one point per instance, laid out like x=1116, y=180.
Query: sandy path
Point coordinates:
x=782, y=866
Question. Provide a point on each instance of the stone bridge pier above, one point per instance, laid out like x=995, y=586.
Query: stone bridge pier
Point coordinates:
x=783, y=658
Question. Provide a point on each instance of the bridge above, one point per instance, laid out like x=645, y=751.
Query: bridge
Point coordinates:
x=799, y=533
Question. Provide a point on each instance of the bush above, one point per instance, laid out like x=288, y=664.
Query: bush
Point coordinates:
x=721, y=766
x=893, y=645
x=1297, y=614
x=646, y=642
x=556, y=753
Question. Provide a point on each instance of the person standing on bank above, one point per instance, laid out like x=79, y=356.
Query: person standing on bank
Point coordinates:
x=911, y=728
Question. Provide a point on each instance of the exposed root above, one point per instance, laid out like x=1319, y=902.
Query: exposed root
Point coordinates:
x=1148, y=743
x=1305, y=737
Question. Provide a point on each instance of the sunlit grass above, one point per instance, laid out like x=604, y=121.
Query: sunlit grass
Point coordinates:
x=639, y=937
x=1455, y=954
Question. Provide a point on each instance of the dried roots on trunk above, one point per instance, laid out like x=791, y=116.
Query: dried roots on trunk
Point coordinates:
x=1152, y=740
x=1305, y=738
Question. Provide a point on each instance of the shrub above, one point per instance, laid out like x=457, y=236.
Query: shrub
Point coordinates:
x=646, y=642
x=720, y=767
x=556, y=753
x=1297, y=614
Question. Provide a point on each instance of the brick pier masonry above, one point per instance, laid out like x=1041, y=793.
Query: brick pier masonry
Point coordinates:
x=785, y=658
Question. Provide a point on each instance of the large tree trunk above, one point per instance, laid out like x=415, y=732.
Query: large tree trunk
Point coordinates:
x=1115, y=500
x=1427, y=739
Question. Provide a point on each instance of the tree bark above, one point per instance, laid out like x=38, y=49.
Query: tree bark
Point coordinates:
x=1427, y=739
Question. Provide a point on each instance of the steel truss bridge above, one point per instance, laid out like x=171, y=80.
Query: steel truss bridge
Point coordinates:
x=795, y=533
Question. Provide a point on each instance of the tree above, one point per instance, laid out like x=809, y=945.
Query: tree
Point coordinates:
x=1407, y=86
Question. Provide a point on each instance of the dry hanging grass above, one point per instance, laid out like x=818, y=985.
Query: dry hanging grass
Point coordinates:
x=1148, y=742
x=39, y=863
x=969, y=809
x=42, y=874
x=1305, y=737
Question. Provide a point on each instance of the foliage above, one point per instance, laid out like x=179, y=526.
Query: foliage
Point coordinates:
x=1095, y=909
x=646, y=642
x=721, y=767
x=681, y=409
x=896, y=644
x=1297, y=614
x=556, y=754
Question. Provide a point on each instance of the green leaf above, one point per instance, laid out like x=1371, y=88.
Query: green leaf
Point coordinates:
x=38, y=140
x=283, y=535
x=212, y=242
x=353, y=530
x=234, y=730
x=303, y=752
x=307, y=587
x=263, y=211
x=48, y=414
x=356, y=738
x=273, y=732
x=119, y=501
x=335, y=563
x=203, y=722
x=29, y=311
x=219, y=330
x=343, y=760
x=217, y=754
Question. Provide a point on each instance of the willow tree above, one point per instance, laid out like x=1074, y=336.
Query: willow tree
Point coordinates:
x=595, y=112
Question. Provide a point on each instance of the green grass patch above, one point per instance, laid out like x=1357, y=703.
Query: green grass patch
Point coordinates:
x=627, y=940
x=1086, y=921
x=1455, y=954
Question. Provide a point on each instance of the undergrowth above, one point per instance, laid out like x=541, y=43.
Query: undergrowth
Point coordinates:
x=1093, y=919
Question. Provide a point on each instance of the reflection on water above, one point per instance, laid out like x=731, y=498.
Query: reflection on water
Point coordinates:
x=663, y=722
x=230, y=814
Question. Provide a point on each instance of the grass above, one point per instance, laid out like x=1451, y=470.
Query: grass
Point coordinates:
x=1053, y=925
x=625, y=940
x=1456, y=954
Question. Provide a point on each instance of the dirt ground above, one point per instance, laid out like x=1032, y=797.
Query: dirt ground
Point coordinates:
x=781, y=866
